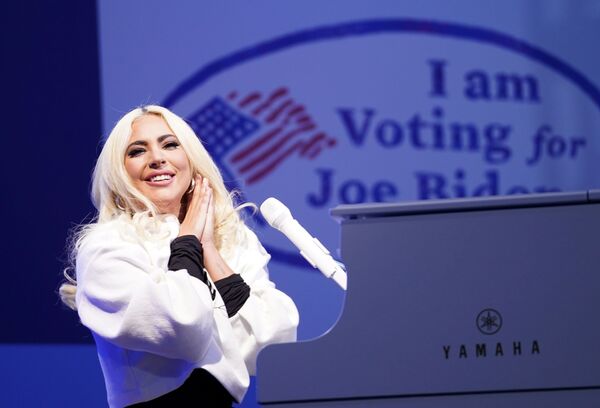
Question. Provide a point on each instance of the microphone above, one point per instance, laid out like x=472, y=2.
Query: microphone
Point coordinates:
x=279, y=217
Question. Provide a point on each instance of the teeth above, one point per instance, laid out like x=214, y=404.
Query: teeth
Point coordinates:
x=161, y=177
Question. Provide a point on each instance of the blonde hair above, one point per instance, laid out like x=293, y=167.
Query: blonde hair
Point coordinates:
x=114, y=194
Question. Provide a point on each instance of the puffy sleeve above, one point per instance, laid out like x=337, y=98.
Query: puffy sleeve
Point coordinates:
x=269, y=315
x=125, y=299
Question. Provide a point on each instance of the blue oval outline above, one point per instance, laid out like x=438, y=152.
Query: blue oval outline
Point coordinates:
x=377, y=26
x=367, y=27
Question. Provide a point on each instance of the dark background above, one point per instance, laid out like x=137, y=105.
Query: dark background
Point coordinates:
x=51, y=109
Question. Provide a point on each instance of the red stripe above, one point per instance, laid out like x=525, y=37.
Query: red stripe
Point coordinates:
x=271, y=166
x=296, y=110
x=259, y=142
x=315, y=139
x=249, y=99
x=316, y=145
x=268, y=136
x=313, y=147
x=278, y=93
x=315, y=152
x=290, y=114
x=303, y=119
x=278, y=111
x=282, y=141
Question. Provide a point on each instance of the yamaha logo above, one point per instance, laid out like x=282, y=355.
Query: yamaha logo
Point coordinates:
x=489, y=321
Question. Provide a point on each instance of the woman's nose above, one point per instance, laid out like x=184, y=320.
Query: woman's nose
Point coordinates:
x=157, y=160
x=157, y=163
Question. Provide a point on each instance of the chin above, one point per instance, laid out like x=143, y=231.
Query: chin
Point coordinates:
x=165, y=206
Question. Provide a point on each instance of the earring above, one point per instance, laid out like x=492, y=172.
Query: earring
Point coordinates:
x=192, y=185
x=119, y=204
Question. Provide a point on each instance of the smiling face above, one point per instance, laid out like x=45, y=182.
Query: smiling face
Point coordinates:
x=157, y=164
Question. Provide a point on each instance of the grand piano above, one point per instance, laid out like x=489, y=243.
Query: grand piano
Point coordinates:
x=479, y=302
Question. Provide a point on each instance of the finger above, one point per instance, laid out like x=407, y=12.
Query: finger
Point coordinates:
x=196, y=192
x=207, y=233
x=198, y=180
x=205, y=200
x=210, y=202
x=210, y=216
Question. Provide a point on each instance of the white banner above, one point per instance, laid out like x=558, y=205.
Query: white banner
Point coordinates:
x=320, y=106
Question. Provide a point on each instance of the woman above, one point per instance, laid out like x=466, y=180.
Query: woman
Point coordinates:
x=169, y=280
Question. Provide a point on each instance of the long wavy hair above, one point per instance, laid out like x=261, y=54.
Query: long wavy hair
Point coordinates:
x=114, y=194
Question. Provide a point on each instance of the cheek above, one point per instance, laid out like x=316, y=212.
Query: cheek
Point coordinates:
x=133, y=169
x=183, y=164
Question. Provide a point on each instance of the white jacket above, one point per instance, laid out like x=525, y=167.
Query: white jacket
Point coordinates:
x=152, y=326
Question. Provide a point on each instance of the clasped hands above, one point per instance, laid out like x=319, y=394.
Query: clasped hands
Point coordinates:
x=199, y=218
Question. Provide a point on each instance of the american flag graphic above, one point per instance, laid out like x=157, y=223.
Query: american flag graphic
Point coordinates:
x=250, y=135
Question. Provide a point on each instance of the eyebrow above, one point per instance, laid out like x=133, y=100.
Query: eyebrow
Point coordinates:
x=160, y=139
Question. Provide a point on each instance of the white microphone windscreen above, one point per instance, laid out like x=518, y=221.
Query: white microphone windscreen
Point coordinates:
x=275, y=212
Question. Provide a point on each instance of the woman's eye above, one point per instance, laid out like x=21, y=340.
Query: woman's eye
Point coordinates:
x=171, y=145
x=135, y=152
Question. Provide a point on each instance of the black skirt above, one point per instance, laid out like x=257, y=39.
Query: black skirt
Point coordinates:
x=201, y=389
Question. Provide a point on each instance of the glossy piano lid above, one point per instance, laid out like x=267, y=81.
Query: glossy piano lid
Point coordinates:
x=373, y=210
x=594, y=195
